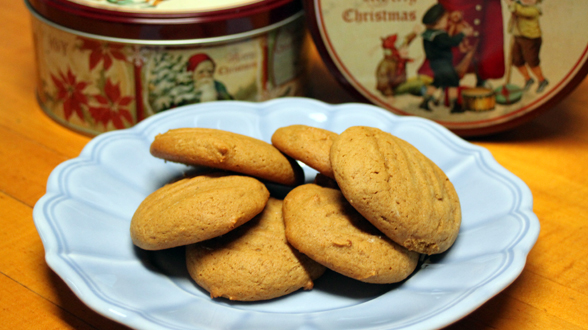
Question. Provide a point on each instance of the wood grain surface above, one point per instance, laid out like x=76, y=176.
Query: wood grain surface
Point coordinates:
x=549, y=153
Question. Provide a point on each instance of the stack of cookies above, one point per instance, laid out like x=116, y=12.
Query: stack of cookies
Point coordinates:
x=376, y=205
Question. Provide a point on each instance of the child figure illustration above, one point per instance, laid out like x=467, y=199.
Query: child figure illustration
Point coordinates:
x=391, y=71
x=438, y=46
x=526, y=31
x=391, y=75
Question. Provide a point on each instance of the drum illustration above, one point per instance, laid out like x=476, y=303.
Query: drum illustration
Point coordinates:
x=478, y=99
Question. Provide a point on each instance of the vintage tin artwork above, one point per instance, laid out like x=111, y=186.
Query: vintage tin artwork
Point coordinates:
x=94, y=83
x=474, y=66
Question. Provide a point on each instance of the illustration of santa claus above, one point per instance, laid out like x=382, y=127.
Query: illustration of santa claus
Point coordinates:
x=206, y=88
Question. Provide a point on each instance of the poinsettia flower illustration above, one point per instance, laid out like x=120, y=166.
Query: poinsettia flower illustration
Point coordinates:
x=71, y=92
x=112, y=106
x=102, y=51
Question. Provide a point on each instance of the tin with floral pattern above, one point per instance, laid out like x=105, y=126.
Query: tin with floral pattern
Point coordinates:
x=108, y=64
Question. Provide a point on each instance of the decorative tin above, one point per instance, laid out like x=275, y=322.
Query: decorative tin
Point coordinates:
x=474, y=66
x=108, y=64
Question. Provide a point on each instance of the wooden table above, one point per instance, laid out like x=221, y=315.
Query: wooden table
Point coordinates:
x=549, y=153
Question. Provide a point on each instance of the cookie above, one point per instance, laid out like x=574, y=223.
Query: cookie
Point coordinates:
x=310, y=145
x=227, y=151
x=323, y=225
x=397, y=188
x=196, y=209
x=253, y=262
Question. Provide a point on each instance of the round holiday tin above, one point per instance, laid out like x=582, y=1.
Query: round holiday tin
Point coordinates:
x=475, y=66
x=108, y=64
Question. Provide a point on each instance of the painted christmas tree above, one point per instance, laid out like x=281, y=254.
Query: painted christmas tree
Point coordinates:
x=170, y=84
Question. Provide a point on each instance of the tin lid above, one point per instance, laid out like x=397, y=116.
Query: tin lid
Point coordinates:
x=502, y=63
x=164, y=6
x=165, y=19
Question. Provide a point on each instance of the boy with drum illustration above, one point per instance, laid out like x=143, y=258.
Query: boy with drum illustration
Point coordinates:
x=438, y=46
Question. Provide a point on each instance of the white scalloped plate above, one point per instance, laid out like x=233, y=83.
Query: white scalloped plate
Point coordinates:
x=83, y=221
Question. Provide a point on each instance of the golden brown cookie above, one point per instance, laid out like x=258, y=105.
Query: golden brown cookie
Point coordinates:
x=252, y=262
x=227, y=151
x=323, y=225
x=196, y=209
x=397, y=188
x=310, y=145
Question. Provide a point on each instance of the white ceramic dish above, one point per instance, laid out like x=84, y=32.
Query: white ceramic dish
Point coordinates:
x=83, y=221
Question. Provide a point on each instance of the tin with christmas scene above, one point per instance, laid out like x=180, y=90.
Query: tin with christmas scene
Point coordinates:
x=108, y=64
x=475, y=66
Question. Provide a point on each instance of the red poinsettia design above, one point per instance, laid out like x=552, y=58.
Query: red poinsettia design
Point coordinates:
x=71, y=92
x=102, y=51
x=112, y=106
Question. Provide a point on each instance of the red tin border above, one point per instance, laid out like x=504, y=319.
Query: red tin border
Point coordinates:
x=165, y=26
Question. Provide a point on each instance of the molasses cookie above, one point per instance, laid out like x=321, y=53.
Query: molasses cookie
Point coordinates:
x=323, y=225
x=227, y=151
x=310, y=145
x=252, y=262
x=196, y=209
x=397, y=188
